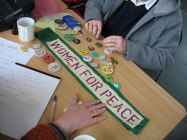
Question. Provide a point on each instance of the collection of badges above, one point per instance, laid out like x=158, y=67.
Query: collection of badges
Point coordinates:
x=55, y=67
x=107, y=69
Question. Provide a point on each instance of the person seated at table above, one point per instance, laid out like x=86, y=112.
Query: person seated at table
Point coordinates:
x=75, y=117
x=146, y=32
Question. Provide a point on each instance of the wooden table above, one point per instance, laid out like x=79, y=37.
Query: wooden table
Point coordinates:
x=163, y=111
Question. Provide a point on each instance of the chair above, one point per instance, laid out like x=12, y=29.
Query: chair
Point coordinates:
x=178, y=46
x=78, y=6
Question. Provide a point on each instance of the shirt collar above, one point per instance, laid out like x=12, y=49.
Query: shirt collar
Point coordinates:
x=148, y=4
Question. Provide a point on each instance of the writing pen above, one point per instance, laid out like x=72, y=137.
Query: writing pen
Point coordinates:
x=53, y=109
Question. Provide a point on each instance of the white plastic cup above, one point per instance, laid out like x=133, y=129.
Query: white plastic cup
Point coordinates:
x=84, y=137
x=25, y=29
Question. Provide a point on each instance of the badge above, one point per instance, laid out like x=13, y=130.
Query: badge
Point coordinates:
x=117, y=85
x=94, y=65
x=87, y=58
x=54, y=67
x=23, y=49
x=40, y=52
x=90, y=48
x=83, y=51
x=37, y=45
x=102, y=57
x=48, y=58
x=94, y=54
x=109, y=78
x=107, y=51
x=107, y=70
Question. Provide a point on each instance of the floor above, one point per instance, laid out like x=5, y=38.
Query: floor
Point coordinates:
x=174, y=79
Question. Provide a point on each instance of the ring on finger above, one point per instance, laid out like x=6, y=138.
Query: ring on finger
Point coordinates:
x=115, y=44
x=92, y=113
x=116, y=48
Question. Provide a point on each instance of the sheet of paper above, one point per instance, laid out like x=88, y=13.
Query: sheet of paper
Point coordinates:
x=44, y=23
x=67, y=31
x=24, y=95
x=10, y=54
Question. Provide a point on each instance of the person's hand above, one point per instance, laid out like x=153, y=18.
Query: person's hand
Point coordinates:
x=94, y=27
x=79, y=116
x=116, y=43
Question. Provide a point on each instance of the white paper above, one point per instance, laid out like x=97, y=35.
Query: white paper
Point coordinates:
x=10, y=54
x=24, y=95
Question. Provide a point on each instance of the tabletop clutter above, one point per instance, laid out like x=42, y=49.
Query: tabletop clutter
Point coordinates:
x=66, y=23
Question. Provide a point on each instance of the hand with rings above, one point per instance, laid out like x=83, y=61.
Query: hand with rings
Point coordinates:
x=116, y=43
x=79, y=116
x=94, y=27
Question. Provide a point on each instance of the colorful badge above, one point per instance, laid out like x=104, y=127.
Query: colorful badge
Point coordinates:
x=69, y=37
x=40, y=52
x=107, y=70
x=99, y=45
x=117, y=85
x=102, y=57
x=83, y=51
x=109, y=78
x=54, y=67
x=48, y=58
x=94, y=54
x=23, y=49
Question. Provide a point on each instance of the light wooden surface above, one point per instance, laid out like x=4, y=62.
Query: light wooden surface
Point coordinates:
x=163, y=111
x=62, y=4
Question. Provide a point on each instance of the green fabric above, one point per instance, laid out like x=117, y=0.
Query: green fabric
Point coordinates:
x=47, y=35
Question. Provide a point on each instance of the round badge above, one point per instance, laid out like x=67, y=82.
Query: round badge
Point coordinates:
x=23, y=49
x=109, y=78
x=63, y=26
x=107, y=51
x=88, y=39
x=94, y=65
x=99, y=45
x=48, y=58
x=69, y=37
x=54, y=67
x=76, y=41
x=40, y=52
x=85, y=36
x=90, y=48
x=87, y=58
x=117, y=85
x=94, y=54
x=83, y=51
x=37, y=45
x=107, y=70
x=59, y=21
x=102, y=57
